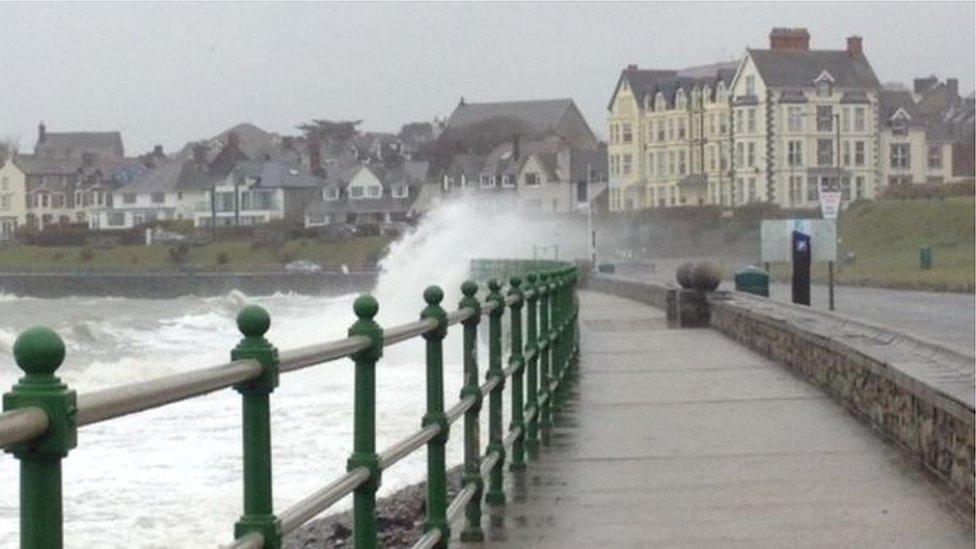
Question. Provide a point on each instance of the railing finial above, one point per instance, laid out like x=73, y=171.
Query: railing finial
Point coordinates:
x=39, y=351
x=253, y=321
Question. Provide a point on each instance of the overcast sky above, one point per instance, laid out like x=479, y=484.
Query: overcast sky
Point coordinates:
x=169, y=73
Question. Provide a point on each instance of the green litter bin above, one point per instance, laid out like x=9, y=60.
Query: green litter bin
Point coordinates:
x=925, y=258
x=752, y=280
x=606, y=268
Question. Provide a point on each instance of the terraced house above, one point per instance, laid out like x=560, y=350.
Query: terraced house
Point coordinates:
x=669, y=136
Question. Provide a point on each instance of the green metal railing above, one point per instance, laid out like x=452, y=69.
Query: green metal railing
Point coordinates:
x=41, y=416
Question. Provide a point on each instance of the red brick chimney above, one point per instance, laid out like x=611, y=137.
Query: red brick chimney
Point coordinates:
x=854, y=46
x=783, y=39
x=632, y=67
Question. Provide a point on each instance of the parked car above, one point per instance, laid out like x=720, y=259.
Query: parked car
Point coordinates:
x=303, y=266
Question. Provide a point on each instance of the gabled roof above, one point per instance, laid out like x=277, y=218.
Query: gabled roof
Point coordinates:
x=648, y=82
x=892, y=102
x=800, y=69
x=73, y=144
x=36, y=165
x=640, y=81
x=540, y=117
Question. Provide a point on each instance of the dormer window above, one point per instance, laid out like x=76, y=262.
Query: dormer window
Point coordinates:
x=330, y=193
x=487, y=180
x=680, y=99
x=399, y=190
x=899, y=121
x=751, y=85
x=720, y=92
x=824, y=84
x=508, y=180
x=659, y=103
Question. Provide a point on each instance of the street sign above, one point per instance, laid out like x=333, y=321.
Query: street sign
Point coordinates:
x=776, y=239
x=829, y=204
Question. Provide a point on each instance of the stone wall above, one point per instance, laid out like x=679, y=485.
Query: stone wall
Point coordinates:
x=914, y=392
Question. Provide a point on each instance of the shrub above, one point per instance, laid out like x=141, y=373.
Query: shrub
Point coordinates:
x=180, y=253
x=223, y=258
x=87, y=255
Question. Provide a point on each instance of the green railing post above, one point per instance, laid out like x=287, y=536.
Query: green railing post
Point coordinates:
x=556, y=305
x=364, y=422
x=39, y=352
x=253, y=322
x=532, y=370
x=472, y=437
x=496, y=493
x=545, y=351
x=436, y=460
x=517, y=362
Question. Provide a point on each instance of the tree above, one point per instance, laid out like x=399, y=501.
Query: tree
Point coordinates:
x=8, y=148
x=331, y=131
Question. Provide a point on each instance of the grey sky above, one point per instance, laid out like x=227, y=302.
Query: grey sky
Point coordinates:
x=169, y=73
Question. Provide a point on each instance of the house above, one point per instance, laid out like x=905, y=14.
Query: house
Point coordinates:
x=369, y=194
x=13, y=199
x=903, y=139
x=100, y=146
x=259, y=192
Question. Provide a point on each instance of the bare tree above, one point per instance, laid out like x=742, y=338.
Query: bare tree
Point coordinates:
x=8, y=148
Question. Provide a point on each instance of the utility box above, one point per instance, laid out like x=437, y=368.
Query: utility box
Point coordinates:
x=925, y=258
x=607, y=268
x=752, y=280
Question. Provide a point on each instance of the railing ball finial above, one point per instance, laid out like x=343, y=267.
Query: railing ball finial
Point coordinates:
x=469, y=288
x=494, y=285
x=515, y=281
x=366, y=307
x=253, y=321
x=531, y=278
x=433, y=295
x=39, y=351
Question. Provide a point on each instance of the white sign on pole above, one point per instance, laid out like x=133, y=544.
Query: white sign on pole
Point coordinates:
x=830, y=204
x=776, y=239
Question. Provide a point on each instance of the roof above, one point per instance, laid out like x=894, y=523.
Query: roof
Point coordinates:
x=891, y=101
x=648, y=82
x=799, y=69
x=73, y=144
x=279, y=174
x=541, y=117
x=35, y=165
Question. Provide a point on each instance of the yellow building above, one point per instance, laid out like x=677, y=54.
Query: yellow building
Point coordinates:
x=670, y=138
x=13, y=199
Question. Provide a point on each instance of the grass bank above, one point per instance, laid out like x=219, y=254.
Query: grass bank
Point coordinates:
x=886, y=236
x=355, y=252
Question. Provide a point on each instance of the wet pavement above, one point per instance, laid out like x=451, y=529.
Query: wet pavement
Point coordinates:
x=684, y=438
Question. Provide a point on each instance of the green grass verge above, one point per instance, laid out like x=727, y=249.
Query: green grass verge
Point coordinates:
x=886, y=237
x=354, y=252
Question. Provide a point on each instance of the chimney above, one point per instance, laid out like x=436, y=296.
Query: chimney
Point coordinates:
x=783, y=39
x=953, y=85
x=632, y=67
x=314, y=155
x=158, y=151
x=461, y=102
x=41, y=132
x=854, y=46
x=516, y=150
x=922, y=85
x=200, y=153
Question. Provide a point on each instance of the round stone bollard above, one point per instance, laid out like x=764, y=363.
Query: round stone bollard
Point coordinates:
x=684, y=275
x=706, y=277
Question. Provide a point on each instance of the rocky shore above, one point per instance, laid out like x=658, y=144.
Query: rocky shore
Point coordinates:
x=400, y=520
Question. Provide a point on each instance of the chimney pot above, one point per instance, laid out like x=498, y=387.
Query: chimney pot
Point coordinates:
x=632, y=67
x=855, y=46
x=41, y=132
x=158, y=150
x=784, y=39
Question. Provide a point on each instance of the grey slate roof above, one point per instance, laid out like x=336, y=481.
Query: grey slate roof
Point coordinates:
x=73, y=144
x=648, y=82
x=892, y=100
x=537, y=116
x=798, y=69
x=35, y=165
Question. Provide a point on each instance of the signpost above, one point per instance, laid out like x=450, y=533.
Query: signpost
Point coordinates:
x=830, y=207
x=800, y=242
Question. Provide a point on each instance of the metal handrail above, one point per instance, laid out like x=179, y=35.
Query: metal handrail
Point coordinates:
x=62, y=412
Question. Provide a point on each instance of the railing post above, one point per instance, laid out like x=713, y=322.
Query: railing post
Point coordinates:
x=472, y=437
x=517, y=362
x=364, y=422
x=532, y=370
x=436, y=461
x=39, y=352
x=496, y=493
x=253, y=322
x=556, y=306
x=545, y=348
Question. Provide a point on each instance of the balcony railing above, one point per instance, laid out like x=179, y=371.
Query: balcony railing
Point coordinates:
x=41, y=416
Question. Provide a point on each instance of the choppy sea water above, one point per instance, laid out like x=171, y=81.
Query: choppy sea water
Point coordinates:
x=171, y=477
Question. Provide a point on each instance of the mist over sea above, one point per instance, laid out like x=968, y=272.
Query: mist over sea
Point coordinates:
x=171, y=477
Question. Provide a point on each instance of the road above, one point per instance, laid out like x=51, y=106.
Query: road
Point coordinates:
x=945, y=318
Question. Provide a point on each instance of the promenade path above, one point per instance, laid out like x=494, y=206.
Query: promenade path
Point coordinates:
x=682, y=438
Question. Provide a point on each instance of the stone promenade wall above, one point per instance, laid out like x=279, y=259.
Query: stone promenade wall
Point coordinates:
x=914, y=392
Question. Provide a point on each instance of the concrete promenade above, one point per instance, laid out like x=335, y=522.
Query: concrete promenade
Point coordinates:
x=682, y=438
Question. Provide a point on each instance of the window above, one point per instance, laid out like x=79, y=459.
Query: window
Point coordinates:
x=859, y=119
x=794, y=119
x=650, y=131
x=796, y=189
x=356, y=192
x=739, y=154
x=739, y=114
x=5, y=202
x=660, y=165
x=128, y=198
x=628, y=159
x=845, y=120
x=627, y=135
x=660, y=130
x=935, y=157
x=57, y=200
x=723, y=127
x=682, y=168
x=4, y=183
x=750, y=85
x=737, y=191
x=681, y=129
x=330, y=194
x=531, y=179
x=859, y=153
x=752, y=189
x=670, y=128
x=859, y=187
x=116, y=219
x=751, y=120
x=825, y=118
x=825, y=152
x=899, y=180
x=723, y=159
x=487, y=180
x=794, y=153
x=680, y=100
x=508, y=180
x=751, y=148
x=846, y=152
x=845, y=188
x=900, y=155
x=711, y=124
x=813, y=193
x=650, y=163
x=374, y=191
x=399, y=190
x=712, y=150
x=823, y=88
x=158, y=198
